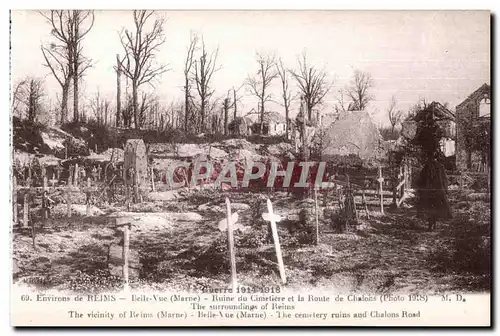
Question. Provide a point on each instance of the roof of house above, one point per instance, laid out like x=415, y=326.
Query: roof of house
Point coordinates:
x=241, y=120
x=273, y=116
x=441, y=110
x=269, y=116
x=485, y=88
x=353, y=133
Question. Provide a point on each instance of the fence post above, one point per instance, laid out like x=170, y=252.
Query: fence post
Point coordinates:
x=394, y=188
x=26, y=210
x=230, y=241
x=126, y=244
x=88, y=197
x=70, y=177
x=76, y=175
x=45, y=180
x=68, y=201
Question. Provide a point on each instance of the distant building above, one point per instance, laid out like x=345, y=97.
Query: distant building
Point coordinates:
x=446, y=121
x=240, y=126
x=473, y=115
x=274, y=124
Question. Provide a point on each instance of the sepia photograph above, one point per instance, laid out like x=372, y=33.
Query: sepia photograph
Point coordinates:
x=241, y=160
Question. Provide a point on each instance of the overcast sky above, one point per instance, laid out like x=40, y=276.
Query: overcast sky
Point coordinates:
x=442, y=56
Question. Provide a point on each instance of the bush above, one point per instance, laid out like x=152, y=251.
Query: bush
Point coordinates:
x=95, y=282
x=26, y=136
x=93, y=134
x=470, y=248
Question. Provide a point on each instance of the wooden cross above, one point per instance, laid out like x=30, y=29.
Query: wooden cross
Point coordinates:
x=70, y=177
x=270, y=216
x=153, y=180
x=58, y=169
x=230, y=240
x=76, y=176
x=381, y=189
x=26, y=210
x=87, y=193
x=124, y=222
x=53, y=180
x=316, y=212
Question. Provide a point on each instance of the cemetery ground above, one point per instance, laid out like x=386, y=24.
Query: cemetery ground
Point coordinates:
x=386, y=253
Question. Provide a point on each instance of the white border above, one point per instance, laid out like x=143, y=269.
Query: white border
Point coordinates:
x=5, y=328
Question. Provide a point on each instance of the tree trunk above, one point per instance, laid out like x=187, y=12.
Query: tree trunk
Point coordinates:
x=75, y=96
x=105, y=116
x=118, y=91
x=261, y=117
x=226, y=112
x=186, y=105
x=134, y=105
x=76, y=63
x=309, y=113
x=235, y=104
x=64, y=101
x=31, y=101
x=287, y=124
x=202, y=124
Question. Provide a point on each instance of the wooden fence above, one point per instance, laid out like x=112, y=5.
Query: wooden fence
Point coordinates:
x=466, y=179
x=388, y=183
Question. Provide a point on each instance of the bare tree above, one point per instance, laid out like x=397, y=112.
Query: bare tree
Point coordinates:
x=18, y=94
x=147, y=106
x=258, y=85
x=359, y=90
x=312, y=83
x=118, y=91
x=64, y=57
x=81, y=23
x=204, y=68
x=140, y=49
x=127, y=112
x=100, y=108
x=28, y=94
x=236, y=100
x=58, y=58
x=394, y=115
x=227, y=103
x=341, y=106
x=285, y=93
x=188, y=65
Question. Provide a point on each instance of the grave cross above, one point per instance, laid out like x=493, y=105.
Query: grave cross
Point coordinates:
x=58, y=169
x=230, y=239
x=95, y=173
x=270, y=216
x=125, y=223
x=381, y=189
x=53, y=181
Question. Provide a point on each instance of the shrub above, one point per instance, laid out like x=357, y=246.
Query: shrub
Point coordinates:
x=27, y=136
x=472, y=245
x=98, y=281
